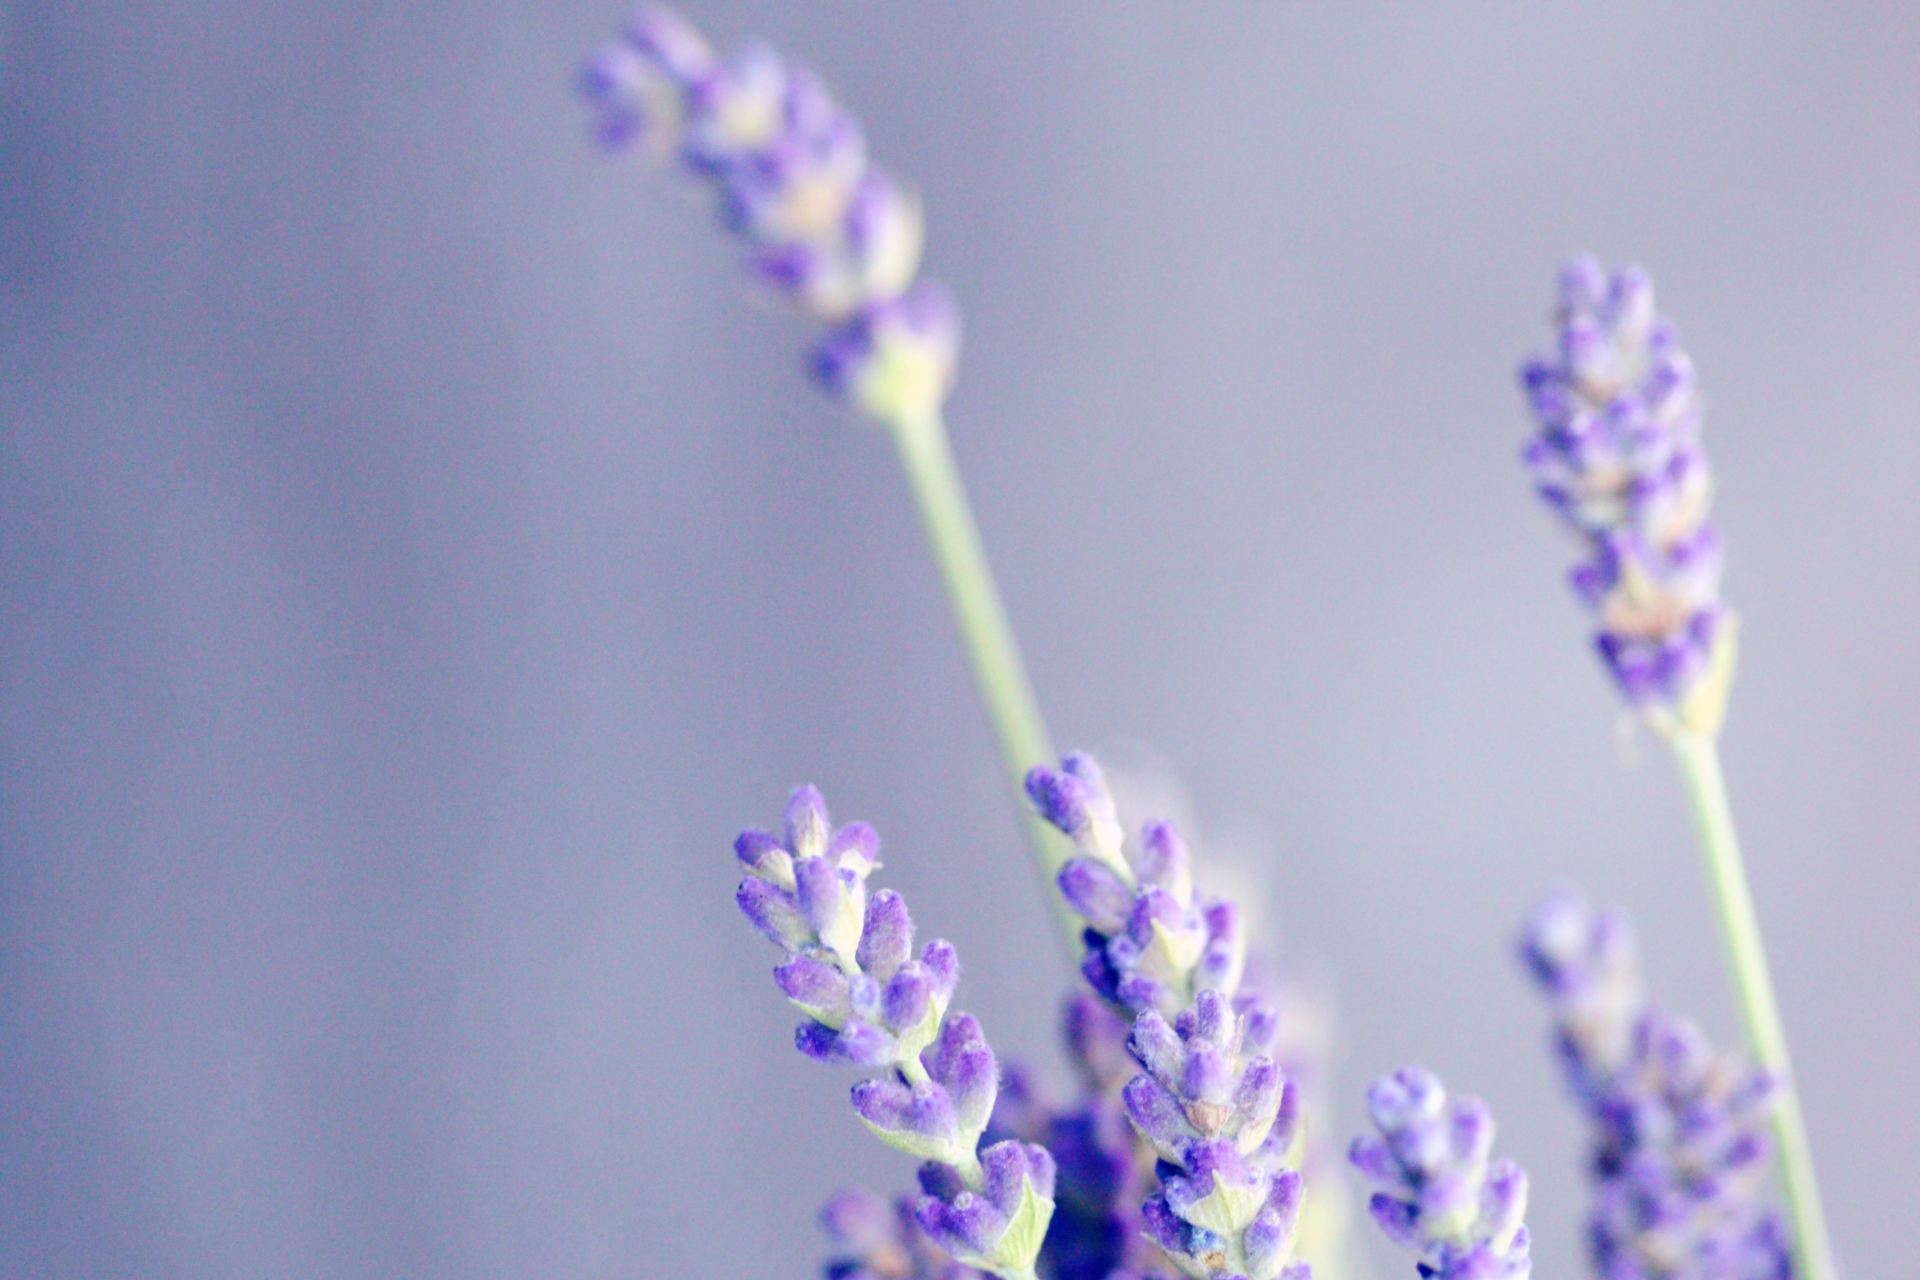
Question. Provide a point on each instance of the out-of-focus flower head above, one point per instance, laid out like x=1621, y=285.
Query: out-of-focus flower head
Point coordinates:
x=1617, y=456
x=1679, y=1150
x=1444, y=1198
x=874, y=1239
x=792, y=178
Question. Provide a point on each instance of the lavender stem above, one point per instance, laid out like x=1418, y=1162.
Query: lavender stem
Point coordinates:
x=1699, y=758
x=992, y=652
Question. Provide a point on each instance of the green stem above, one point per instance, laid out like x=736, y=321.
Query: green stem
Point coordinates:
x=1699, y=759
x=986, y=634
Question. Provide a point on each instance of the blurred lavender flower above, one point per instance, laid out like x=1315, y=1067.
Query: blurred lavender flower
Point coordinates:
x=875, y=1239
x=1461, y=1214
x=1678, y=1148
x=850, y=968
x=1618, y=457
x=790, y=170
x=1211, y=1102
x=1104, y=1174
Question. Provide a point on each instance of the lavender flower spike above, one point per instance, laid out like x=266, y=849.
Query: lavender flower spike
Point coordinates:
x=788, y=170
x=1215, y=1109
x=790, y=174
x=1678, y=1148
x=1617, y=456
x=1210, y=1101
x=931, y=1077
x=1459, y=1212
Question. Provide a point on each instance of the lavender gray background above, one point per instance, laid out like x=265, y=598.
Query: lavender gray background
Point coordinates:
x=420, y=554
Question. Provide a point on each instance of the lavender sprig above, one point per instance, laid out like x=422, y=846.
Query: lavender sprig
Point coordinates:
x=1459, y=1212
x=791, y=176
x=1678, y=1148
x=824, y=226
x=869, y=1002
x=1618, y=457
x=1211, y=1101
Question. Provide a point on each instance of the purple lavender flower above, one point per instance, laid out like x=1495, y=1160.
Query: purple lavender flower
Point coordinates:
x=1151, y=941
x=868, y=1001
x=791, y=176
x=1679, y=1151
x=1459, y=1212
x=1211, y=1102
x=1618, y=457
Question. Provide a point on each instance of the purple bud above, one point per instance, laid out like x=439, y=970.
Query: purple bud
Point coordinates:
x=886, y=940
x=1165, y=859
x=773, y=913
x=943, y=962
x=1096, y=894
x=822, y=892
x=1008, y=1166
x=1157, y=1114
x=856, y=1044
x=1156, y=1045
x=1396, y=1219
x=908, y=997
x=1163, y=1227
x=1061, y=798
x=894, y=1108
x=854, y=847
x=1208, y=1077
x=806, y=823
x=815, y=986
x=961, y=1061
x=761, y=854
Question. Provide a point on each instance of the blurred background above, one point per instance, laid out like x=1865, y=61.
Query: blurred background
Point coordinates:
x=421, y=554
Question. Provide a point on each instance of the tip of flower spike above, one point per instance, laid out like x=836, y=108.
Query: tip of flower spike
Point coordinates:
x=807, y=826
x=1617, y=458
x=674, y=44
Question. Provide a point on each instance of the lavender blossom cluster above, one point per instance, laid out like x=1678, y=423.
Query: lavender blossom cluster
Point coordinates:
x=1445, y=1199
x=792, y=177
x=1617, y=456
x=869, y=1002
x=1209, y=1098
x=1679, y=1152
x=1182, y=1141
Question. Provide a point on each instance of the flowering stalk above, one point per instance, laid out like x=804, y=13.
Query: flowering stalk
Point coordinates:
x=1210, y=1099
x=842, y=240
x=1618, y=456
x=869, y=1002
x=1460, y=1213
x=1678, y=1147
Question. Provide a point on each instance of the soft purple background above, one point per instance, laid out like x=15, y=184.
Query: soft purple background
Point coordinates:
x=420, y=555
